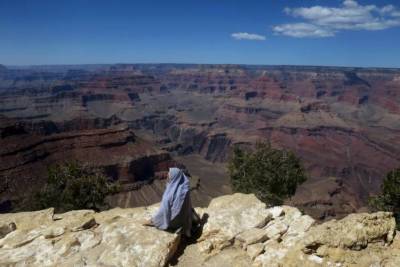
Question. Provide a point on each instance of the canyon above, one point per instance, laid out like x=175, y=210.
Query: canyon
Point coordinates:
x=135, y=120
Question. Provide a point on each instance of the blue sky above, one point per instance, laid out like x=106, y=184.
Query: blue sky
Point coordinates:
x=300, y=32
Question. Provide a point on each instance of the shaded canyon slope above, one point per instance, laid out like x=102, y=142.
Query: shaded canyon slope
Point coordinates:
x=343, y=122
x=26, y=156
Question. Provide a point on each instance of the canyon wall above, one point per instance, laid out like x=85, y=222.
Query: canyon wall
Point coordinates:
x=344, y=123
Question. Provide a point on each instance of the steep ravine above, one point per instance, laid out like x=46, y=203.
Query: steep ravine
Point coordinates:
x=344, y=123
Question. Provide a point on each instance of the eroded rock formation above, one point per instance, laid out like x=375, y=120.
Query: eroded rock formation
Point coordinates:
x=26, y=153
x=342, y=122
x=238, y=230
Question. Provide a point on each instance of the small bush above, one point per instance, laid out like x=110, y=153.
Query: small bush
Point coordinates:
x=271, y=174
x=389, y=199
x=74, y=186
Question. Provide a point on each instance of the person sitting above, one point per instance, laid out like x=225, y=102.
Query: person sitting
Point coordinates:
x=176, y=210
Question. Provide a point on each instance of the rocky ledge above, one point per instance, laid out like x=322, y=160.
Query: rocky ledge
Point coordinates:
x=238, y=230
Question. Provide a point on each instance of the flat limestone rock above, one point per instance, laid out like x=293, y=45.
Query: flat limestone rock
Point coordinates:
x=353, y=232
x=76, y=220
x=272, y=256
x=28, y=220
x=131, y=244
x=138, y=215
x=231, y=215
x=254, y=250
x=76, y=239
x=276, y=211
x=252, y=236
x=300, y=225
x=357, y=240
x=239, y=231
x=275, y=229
x=229, y=257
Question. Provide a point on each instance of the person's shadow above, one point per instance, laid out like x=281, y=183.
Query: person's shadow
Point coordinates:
x=197, y=230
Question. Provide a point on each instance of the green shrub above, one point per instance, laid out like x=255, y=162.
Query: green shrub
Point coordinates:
x=389, y=199
x=271, y=174
x=75, y=186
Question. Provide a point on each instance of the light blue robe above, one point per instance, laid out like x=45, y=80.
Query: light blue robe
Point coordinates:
x=173, y=199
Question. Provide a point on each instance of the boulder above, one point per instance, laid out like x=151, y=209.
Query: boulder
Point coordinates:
x=231, y=215
x=357, y=240
x=77, y=238
x=353, y=232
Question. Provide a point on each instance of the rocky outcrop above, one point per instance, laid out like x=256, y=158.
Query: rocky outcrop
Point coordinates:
x=241, y=231
x=238, y=230
x=10, y=127
x=81, y=238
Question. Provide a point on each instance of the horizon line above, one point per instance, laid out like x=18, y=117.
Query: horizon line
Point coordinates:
x=200, y=64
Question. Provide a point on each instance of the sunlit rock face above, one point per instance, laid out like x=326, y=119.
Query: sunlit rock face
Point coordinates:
x=81, y=238
x=238, y=230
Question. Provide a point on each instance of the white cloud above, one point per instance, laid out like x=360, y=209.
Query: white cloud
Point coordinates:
x=396, y=13
x=247, y=36
x=303, y=30
x=322, y=21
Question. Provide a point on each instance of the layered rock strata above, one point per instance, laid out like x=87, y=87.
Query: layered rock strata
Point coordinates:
x=25, y=158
